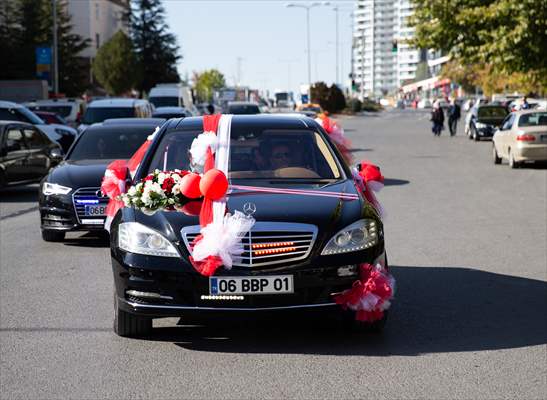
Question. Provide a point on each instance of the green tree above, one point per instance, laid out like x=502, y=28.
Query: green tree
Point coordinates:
x=319, y=93
x=207, y=82
x=336, y=99
x=10, y=39
x=115, y=66
x=156, y=48
x=508, y=35
x=29, y=25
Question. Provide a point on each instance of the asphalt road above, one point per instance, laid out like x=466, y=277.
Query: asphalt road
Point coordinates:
x=466, y=241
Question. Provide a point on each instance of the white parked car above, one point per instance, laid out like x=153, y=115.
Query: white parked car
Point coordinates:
x=99, y=110
x=522, y=137
x=71, y=110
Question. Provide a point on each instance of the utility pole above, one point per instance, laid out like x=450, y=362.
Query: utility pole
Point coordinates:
x=239, y=59
x=55, y=51
x=336, y=8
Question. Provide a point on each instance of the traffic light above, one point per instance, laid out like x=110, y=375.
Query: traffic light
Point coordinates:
x=394, y=46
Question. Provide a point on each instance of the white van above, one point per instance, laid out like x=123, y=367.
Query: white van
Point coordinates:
x=171, y=95
x=99, y=110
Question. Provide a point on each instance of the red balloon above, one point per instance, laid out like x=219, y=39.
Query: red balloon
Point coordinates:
x=189, y=185
x=214, y=184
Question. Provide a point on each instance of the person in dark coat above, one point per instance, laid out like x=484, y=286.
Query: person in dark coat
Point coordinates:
x=437, y=117
x=454, y=114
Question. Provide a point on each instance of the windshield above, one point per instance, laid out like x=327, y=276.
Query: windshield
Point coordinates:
x=534, y=119
x=492, y=112
x=99, y=114
x=63, y=111
x=243, y=109
x=165, y=101
x=109, y=143
x=257, y=153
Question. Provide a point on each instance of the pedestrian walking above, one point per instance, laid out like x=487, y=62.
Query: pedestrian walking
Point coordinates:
x=454, y=115
x=437, y=118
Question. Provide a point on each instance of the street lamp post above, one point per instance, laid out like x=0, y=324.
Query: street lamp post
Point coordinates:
x=308, y=7
x=55, y=51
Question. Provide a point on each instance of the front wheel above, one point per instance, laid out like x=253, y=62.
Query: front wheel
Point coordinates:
x=52, y=236
x=130, y=325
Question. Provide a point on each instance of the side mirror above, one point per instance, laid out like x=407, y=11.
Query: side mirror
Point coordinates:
x=56, y=154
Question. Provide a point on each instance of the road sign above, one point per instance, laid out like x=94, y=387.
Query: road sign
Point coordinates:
x=43, y=64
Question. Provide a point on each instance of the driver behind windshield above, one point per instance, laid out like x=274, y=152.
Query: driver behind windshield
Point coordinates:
x=280, y=157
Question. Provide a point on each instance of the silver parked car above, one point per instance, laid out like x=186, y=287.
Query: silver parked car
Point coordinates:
x=522, y=137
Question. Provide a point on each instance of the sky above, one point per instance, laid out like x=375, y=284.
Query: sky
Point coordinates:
x=264, y=38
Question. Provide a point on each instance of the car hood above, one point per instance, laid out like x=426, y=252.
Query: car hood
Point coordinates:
x=491, y=120
x=327, y=213
x=77, y=174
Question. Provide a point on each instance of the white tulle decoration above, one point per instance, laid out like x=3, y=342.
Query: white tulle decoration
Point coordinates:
x=199, y=147
x=223, y=238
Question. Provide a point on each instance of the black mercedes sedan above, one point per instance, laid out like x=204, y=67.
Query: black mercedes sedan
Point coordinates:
x=70, y=196
x=313, y=227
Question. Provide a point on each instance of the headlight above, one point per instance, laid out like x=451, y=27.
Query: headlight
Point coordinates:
x=480, y=125
x=358, y=236
x=53, y=188
x=137, y=238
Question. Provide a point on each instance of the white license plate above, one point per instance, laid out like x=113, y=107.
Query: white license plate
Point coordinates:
x=247, y=285
x=95, y=211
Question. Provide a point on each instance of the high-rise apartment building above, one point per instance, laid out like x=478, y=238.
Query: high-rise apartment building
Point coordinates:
x=382, y=60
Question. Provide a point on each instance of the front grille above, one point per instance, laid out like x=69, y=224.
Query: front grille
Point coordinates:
x=88, y=196
x=268, y=243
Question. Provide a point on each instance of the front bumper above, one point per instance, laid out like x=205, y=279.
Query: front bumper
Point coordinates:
x=57, y=213
x=486, y=132
x=183, y=290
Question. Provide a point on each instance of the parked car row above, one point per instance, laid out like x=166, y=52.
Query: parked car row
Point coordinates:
x=518, y=137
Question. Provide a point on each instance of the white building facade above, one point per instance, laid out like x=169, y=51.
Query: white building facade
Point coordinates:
x=97, y=20
x=382, y=60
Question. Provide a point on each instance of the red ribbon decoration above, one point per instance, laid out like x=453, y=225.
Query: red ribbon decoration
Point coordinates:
x=113, y=185
x=373, y=180
x=136, y=159
x=371, y=281
x=210, y=124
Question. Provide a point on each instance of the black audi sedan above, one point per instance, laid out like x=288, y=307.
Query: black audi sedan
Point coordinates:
x=70, y=196
x=323, y=238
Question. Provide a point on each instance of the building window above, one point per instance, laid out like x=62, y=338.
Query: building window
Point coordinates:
x=97, y=11
x=98, y=40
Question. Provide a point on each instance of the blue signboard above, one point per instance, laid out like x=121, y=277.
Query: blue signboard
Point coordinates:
x=43, y=64
x=43, y=55
x=304, y=99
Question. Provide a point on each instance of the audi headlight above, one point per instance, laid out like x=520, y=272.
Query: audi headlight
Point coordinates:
x=53, y=188
x=137, y=238
x=358, y=236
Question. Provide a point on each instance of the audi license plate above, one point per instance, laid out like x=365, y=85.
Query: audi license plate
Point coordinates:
x=278, y=284
x=95, y=211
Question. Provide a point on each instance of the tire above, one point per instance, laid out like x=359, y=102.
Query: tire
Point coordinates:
x=512, y=163
x=495, y=157
x=475, y=136
x=130, y=325
x=52, y=236
x=376, y=327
